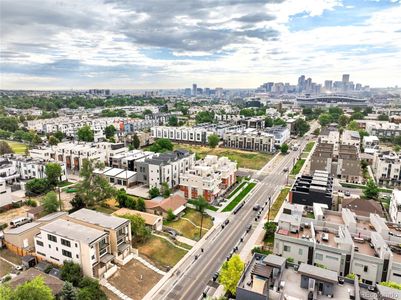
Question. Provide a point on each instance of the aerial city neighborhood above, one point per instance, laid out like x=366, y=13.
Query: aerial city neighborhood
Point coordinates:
x=279, y=192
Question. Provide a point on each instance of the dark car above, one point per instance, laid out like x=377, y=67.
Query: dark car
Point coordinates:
x=256, y=207
x=215, y=276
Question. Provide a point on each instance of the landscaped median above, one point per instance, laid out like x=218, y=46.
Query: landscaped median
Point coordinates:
x=274, y=209
x=309, y=147
x=297, y=167
x=233, y=203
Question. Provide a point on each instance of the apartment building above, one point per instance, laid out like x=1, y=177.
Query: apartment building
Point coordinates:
x=127, y=160
x=308, y=190
x=29, y=168
x=386, y=168
x=343, y=163
x=329, y=135
x=208, y=178
x=253, y=122
x=8, y=172
x=163, y=167
x=383, y=129
x=370, y=142
x=63, y=240
x=133, y=125
x=249, y=139
x=281, y=134
x=118, y=229
x=395, y=206
x=342, y=242
x=351, y=137
x=72, y=154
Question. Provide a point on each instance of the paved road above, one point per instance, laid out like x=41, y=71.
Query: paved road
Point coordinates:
x=192, y=277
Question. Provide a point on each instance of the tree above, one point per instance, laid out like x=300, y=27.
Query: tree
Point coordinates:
x=284, y=148
x=371, y=191
x=77, y=203
x=213, y=140
x=9, y=123
x=324, y=119
x=53, y=173
x=268, y=122
x=397, y=148
x=139, y=231
x=270, y=228
x=162, y=145
x=204, y=117
x=391, y=284
x=136, y=142
x=154, y=192
x=5, y=148
x=50, y=202
x=36, y=186
x=140, y=204
x=71, y=272
x=90, y=290
x=59, y=135
x=301, y=127
x=343, y=120
x=35, y=289
x=110, y=131
x=94, y=188
x=353, y=125
x=36, y=140
x=165, y=190
x=230, y=273
x=170, y=215
x=53, y=140
x=279, y=122
x=316, y=131
x=173, y=121
x=200, y=205
x=357, y=116
x=86, y=134
x=68, y=292
x=397, y=140
x=383, y=117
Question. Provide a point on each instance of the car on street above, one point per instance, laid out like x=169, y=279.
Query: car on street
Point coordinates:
x=347, y=193
x=256, y=207
x=285, y=170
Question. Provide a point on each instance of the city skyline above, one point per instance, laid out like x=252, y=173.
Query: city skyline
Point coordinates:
x=168, y=45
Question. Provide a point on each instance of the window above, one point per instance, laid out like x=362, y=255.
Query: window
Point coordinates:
x=76, y=245
x=40, y=253
x=52, y=238
x=77, y=256
x=93, y=257
x=365, y=268
x=287, y=248
x=300, y=251
x=39, y=243
x=319, y=256
x=54, y=258
x=331, y=257
x=65, y=243
x=66, y=253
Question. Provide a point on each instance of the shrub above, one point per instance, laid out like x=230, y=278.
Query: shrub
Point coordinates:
x=31, y=203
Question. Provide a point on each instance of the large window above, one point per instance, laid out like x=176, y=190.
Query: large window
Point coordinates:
x=67, y=253
x=65, y=243
x=39, y=243
x=51, y=238
x=287, y=248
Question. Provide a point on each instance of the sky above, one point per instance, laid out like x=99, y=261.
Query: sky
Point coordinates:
x=162, y=44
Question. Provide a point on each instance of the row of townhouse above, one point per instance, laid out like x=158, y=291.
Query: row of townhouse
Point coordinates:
x=368, y=247
x=343, y=163
x=386, y=168
x=72, y=154
x=209, y=177
x=382, y=129
x=197, y=134
x=250, y=139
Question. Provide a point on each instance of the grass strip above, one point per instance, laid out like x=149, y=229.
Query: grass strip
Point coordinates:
x=240, y=196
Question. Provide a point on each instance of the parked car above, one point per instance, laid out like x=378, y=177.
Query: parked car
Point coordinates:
x=285, y=170
x=256, y=207
x=20, y=221
x=347, y=193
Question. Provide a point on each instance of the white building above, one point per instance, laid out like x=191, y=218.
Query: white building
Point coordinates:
x=351, y=137
x=208, y=178
x=386, y=168
x=395, y=206
x=370, y=142
x=249, y=139
x=383, y=129
x=281, y=134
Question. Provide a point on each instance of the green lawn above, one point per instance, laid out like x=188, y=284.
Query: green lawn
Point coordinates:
x=161, y=252
x=106, y=210
x=186, y=228
x=278, y=202
x=360, y=186
x=65, y=183
x=236, y=190
x=18, y=148
x=241, y=196
x=245, y=159
x=211, y=207
x=195, y=216
x=297, y=167
x=309, y=146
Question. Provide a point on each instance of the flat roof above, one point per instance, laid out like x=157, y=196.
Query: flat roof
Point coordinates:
x=113, y=172
x=274, y=260
x=74, y=231
x=22, y=228
x=98, y=218
x=318, y=273
x=126, y=174
x=52, y=216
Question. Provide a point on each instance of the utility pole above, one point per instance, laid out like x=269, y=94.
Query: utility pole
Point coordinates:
x=59, y=197
x=268, y=213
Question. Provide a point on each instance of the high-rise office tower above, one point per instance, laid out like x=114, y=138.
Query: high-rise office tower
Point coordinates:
x=345, y=78
x=328, y=85
x=301, y=83
x=308, y=85
x=194, y=89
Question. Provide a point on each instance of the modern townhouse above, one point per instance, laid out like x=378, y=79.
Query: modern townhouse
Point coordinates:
x=329, y=135
x=163, y=167
x=253, y=122
x=64, y=240
x=281, y=134
x=368, y=247
x=343, y=163
x=127, y=160
x=383, y=129
x=395, y=206
x=249, y=139
x=8, y=171
x=386, y=168
x=351, y=137
x=209, y=177
x=370, y=144
x=133, y=125
x=118, y=229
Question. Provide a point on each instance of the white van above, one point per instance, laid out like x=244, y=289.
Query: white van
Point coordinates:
x=20, y=221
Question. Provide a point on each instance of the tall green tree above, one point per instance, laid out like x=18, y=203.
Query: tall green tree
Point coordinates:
x=301, y=127
x=90, y=290
x=268, y=122
x=68, y=292
x=59, y=135
x=71, y=272
x=35, y=289
x=213, y=140
x=110, y=131
x=173, y=121
x=230, y=274
x=154, y=192
x=372, y=190
x=324, y=119
x=37, y=186
x=86, y=134
x=165, y=190
x=343, y=120
x=5, y=148
x=50, y=202
x=139, y=231
x=53, y=140
x=53, y=173
x=136, y=142
x=200, y=205
x=284, y=148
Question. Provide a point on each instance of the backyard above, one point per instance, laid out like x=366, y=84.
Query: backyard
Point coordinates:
x=18, y=148
x=245, y=159
x=240, y=196
x=160, y=252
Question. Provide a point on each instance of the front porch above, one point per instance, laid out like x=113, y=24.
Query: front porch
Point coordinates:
x=124, y=254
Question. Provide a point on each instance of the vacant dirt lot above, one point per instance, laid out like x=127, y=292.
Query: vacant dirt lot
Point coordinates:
x=5, y=268
x=7, y=216
x=10, y=256
x=134, y=279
